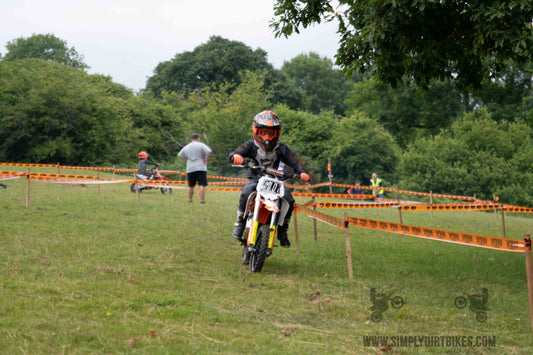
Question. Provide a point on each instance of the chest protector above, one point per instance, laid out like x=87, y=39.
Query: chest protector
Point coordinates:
x=267, y=159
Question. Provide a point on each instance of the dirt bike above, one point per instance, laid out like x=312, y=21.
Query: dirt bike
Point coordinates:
x=156, y=176
x=265, y=210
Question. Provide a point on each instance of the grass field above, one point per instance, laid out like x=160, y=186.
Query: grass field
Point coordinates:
x=84, y=272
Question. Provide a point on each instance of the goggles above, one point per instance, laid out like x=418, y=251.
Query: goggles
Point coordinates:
x=267, y=133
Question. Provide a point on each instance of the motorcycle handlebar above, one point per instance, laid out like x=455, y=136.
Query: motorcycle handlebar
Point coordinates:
x=249, y=164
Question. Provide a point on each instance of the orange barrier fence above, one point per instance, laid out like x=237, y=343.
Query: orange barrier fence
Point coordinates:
x=479, y=206
x=442, y=235
x=305, y=187
x=59, y=180
x=328, y=205
x=334, y=221
x=405, y=192
x=422, y=232
x=10, y=175
x=325, y=195
x=236, y=181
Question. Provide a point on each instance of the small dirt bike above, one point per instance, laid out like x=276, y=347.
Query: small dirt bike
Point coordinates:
x=265, y=210
x=156, y=176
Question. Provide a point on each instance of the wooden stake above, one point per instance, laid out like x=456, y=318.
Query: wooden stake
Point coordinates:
x=137, y=189
x=503, y=222
x=399, y=207
x=529, y=273
x=431, y=201
x=348, y=247
x=314, y=221
x=98, y=177
x=296, y=232
x=28, y=188
x=330, y=176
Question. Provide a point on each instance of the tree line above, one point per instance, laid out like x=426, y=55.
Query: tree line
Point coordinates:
x=445, y=137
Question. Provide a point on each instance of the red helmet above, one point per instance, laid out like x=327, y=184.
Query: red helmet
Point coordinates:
x=266, y=128
x=143, y=155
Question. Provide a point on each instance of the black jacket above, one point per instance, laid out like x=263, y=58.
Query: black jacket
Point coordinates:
x=142, y=165
x=270, y=160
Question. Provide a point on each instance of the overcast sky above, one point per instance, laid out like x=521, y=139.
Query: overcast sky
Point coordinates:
x=126, y=39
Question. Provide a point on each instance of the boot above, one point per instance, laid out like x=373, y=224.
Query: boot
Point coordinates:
x=239, y=227
x=282, y=235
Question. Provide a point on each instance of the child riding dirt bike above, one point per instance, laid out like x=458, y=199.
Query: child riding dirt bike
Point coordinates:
x=145, y=174
x=143, y=162
x=265, y=150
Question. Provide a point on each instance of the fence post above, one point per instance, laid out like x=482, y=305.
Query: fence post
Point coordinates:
x=137, y=189
x=431, y=201
x=348, y=247
x=330, y=176
x=529, y=273
x=503, y=221
x=27, y=187
x=314, y=220
x=399, y=204
x=98, y=178
x=296, y=231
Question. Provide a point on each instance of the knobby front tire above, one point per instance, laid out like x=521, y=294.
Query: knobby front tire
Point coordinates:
x=257, y=258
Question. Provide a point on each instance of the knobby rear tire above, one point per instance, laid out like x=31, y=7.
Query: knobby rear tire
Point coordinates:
x=257, y=259
x=166, y=190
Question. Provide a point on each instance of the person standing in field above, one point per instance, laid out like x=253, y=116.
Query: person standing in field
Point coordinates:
x=376, y=183
x=196, y=154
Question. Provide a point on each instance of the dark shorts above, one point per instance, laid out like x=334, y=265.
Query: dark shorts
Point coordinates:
x=199, y=177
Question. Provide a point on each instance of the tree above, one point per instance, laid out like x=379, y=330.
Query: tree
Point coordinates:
x=475, y=156
x=406, y=111
x=52, y=113
x=503, y=98
x=360, y=146
x=464, y=40
x=209, y=65
x=222, y=116
x=324, y=88
x=306, y=132
x=46, y=47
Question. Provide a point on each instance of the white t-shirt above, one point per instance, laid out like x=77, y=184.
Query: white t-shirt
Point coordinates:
x=195, y=153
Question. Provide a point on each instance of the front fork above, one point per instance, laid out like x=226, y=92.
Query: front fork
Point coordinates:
x=252, y=232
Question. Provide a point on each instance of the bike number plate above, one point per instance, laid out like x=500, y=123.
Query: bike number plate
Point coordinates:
x=270, y=186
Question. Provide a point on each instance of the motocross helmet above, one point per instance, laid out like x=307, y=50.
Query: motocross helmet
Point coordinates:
x=143, y=155
x=266, y=128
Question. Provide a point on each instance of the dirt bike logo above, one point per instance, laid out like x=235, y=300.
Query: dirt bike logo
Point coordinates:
x=380, y=304
x=477, y=304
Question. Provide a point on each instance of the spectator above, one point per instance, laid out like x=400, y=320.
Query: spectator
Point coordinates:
x=356, y=190
x=376, y=182
x=196, y=154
